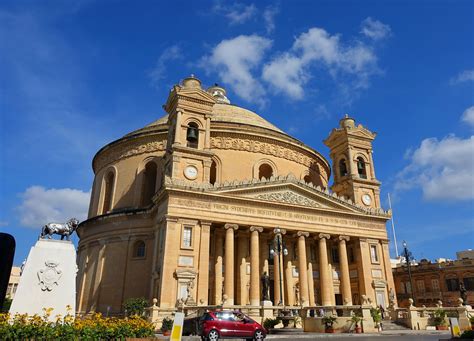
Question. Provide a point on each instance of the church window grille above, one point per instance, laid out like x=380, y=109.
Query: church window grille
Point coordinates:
x=469, y=283
x=187, y=236
x=139, y=249
x=435, y=285
x=452, y=284
x=213, y=173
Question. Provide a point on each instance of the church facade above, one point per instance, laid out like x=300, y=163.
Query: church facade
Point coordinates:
x=200, y=205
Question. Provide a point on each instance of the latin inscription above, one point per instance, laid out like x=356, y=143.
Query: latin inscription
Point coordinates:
x=260, y=212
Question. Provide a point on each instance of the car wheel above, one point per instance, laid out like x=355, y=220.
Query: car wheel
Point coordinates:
x=259, y=335
x=213, y=335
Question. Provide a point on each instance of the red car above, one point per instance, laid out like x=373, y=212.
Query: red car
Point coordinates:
x=214, y=325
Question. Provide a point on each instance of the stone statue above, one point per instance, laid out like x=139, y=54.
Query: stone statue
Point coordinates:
x=189, y=288
x=64, y=230
x=463, y=293
x=265, y=287
x=391, y=297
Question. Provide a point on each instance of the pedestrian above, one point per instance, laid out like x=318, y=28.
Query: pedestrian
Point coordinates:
x=382, y=312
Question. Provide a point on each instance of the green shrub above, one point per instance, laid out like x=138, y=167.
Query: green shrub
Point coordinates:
x=135, y=306
x=439, y=318
x=376, y=315
x=270, y=323
x=329, y=320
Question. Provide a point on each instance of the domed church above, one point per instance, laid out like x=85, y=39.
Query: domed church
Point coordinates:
x=213, y=205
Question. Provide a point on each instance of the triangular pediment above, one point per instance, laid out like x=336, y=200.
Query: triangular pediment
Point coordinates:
x=362, y=132
x=196, y=94
x=291, y=194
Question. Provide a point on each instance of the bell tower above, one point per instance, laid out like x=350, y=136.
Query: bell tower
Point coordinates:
x=353, y=166
x=189, y=110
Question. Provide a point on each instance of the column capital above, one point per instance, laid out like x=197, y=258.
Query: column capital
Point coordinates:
x=384, y=241
x=231, y=226
x=302, y=234
x=279, y=230
x=256, y=228
x=205, y=223
x=344, y=238
x=324, y=236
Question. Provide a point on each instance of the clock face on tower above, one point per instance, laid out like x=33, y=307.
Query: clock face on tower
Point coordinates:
x=366, y=199
x=191, y=172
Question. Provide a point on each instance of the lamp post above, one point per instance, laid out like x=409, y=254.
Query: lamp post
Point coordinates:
x=408, y=258
x=279, y=250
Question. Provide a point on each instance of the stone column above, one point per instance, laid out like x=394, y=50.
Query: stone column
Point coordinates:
x=254, y=266
x=207, y=142
x=203, y=279
x=302, y=264
x=219, y=248
x=345, y=279
x=229, y=263
x=352, y=167
x=325, y=278
x=276, y=279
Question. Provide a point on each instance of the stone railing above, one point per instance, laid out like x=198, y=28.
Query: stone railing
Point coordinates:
x=419, y=318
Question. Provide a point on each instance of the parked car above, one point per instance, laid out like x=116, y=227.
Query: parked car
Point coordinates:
x=217, y=324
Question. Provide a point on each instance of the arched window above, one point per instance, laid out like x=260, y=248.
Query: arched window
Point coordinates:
x=139, y=249
x=109, y=187
x=265, y=171
x=342, y=168
x=192, y=135
x=149, y=183
x=361, y=168
x=213, y=173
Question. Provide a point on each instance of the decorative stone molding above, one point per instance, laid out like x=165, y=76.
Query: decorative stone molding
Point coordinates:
x=302, y=234
x=288, y=197
x=256, y=228
x=344, y=238
x=269, y=147
x=126, y=149
x=49, y=275
x=324, y=235
x=231, y=226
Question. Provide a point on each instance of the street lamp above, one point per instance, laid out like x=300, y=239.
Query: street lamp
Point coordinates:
x=279, y=250
x=408, y=258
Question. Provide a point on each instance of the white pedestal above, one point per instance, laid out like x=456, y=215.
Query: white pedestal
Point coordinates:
x=48, y=279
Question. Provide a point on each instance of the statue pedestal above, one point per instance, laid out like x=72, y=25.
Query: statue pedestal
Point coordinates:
x=267, y=312
x=48, y=280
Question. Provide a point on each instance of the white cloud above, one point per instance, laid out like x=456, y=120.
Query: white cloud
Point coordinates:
x=375, y=29
x=237, y=13
x=468, y=116
x=40, y=205
x=289, y=72
x=443, y=169
x=234, y=60
x=269, y=18
x=464, y=76
x=3, y=223
x=169, y=54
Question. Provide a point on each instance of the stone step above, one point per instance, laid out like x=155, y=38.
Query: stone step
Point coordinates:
x=391, y=325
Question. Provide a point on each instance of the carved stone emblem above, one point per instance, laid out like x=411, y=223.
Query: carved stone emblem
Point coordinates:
x=49, y=275
x=289, y=197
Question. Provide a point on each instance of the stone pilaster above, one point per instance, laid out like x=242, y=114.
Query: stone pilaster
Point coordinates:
x=344, y=266
x=229, y=263
x=168, y=292
x=302, y=270
x=388, y=271
x=364, y=266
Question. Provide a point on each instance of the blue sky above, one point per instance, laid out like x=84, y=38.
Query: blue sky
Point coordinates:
x=75, y=75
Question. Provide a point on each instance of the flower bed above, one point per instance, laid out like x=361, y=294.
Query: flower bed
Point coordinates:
x=95, y=327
